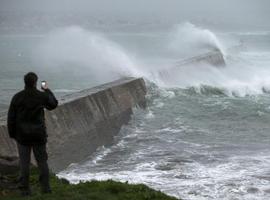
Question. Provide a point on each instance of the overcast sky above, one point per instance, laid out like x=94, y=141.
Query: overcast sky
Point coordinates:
x=136, y=5
x=253, y=11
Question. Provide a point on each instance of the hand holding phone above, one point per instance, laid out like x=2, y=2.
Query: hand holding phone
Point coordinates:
x=44, y=85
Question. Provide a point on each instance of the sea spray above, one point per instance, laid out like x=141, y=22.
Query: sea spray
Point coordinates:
x=77, y=51
x=242, y=75
x=188, y=39
x=236, y=79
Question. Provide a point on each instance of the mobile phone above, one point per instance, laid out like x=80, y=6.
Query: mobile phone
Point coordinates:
x=43, y=84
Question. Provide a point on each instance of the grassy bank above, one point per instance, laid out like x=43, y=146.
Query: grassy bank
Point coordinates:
x=95, y=190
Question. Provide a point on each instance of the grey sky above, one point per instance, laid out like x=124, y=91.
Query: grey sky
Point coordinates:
x=135, y=5
x=252, y=11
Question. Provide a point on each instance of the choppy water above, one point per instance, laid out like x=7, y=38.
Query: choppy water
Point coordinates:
x=190, y=145
x=205, y=133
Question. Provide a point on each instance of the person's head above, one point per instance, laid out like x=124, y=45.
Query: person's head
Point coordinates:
x=30, y=80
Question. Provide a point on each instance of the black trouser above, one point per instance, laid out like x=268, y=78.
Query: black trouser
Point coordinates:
x=41, y=158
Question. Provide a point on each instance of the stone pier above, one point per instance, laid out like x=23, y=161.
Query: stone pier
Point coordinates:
x=83, y=122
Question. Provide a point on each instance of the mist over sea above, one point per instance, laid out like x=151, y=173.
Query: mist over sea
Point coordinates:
x=205, y=133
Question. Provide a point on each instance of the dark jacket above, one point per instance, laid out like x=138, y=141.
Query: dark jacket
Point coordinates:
x=26, y=120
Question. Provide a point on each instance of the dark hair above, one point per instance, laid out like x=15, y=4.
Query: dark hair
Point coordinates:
x=30, y=79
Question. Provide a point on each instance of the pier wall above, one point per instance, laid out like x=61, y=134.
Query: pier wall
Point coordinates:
x=84, y=121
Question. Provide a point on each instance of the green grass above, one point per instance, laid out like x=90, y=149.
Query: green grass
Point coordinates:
x=94, y=190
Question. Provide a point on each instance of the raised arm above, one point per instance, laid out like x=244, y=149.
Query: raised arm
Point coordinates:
x=51, y=102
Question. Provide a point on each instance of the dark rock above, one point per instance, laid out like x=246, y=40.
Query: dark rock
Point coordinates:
x=9, y=165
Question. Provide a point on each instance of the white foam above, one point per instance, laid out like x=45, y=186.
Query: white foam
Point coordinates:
x=223, y=181
x=150, y=115
x=101, y=153
x=240, y=78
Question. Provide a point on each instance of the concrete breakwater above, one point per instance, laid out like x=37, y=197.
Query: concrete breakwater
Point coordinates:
x=83, y=122
x=213, y=58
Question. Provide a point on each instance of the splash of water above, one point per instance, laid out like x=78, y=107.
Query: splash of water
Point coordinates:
x=76, y=50
x=236, y=79
x=187, y=39
x=245, y=73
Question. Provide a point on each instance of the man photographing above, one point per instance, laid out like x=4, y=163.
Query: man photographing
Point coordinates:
x=26, y=124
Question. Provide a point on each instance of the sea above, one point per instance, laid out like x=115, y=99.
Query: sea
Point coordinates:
x=205, y=133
